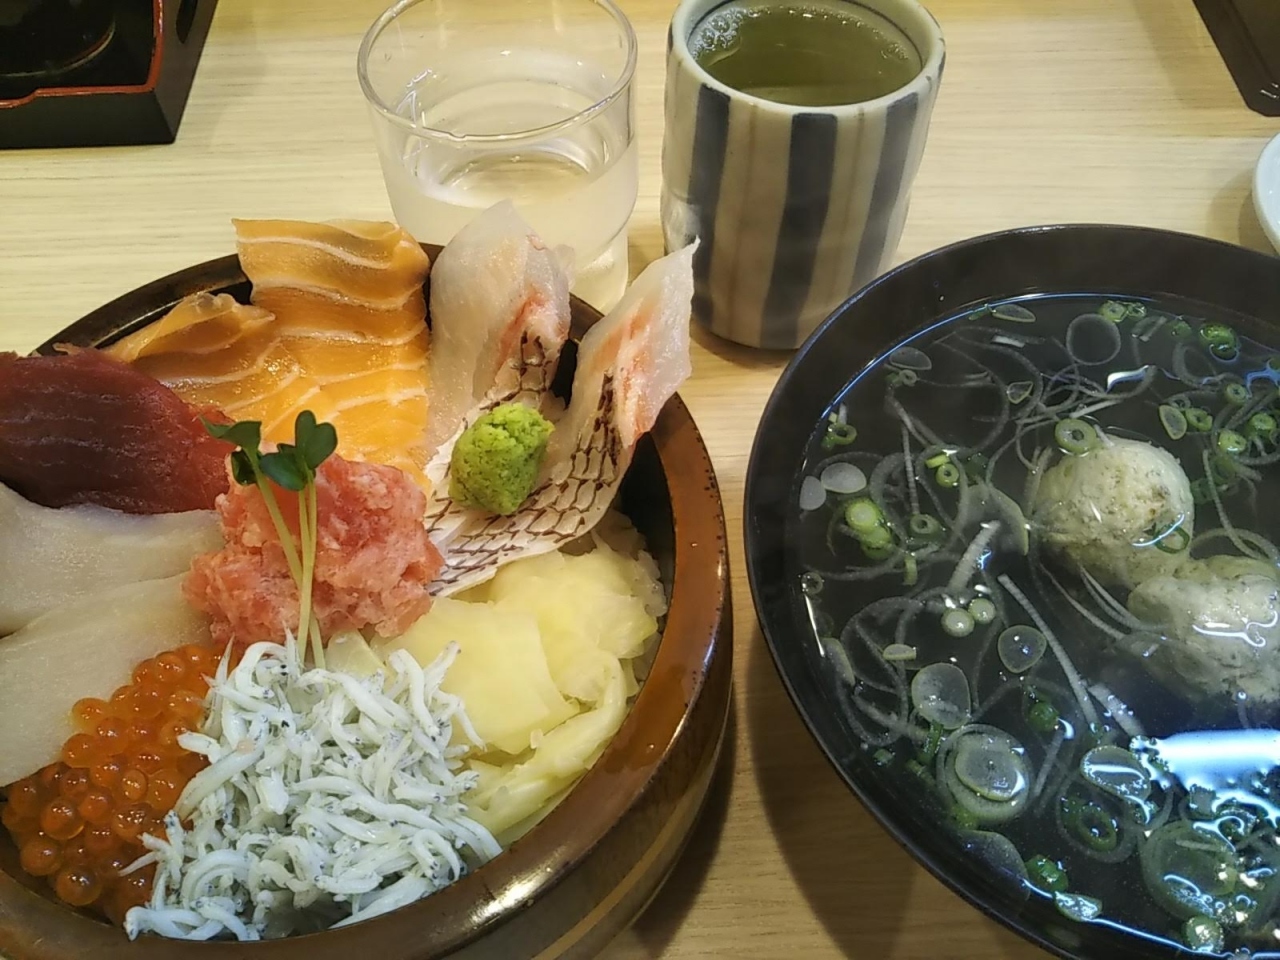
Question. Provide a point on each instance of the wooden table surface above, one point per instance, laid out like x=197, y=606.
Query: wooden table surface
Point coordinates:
x=1082, y=110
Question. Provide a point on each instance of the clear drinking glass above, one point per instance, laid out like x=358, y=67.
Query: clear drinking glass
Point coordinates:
x=476, y=101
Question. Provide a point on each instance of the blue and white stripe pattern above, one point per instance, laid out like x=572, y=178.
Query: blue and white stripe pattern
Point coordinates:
x=796, y=207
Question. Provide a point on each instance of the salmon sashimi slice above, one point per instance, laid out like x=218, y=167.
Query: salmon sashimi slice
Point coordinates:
x=327, y=365
x=87, y=428
x=337, y=326
x=368, y=262
x=499, y=316
x=348, y=305
x=252, y=376
x=203, y=323
x=629, y=365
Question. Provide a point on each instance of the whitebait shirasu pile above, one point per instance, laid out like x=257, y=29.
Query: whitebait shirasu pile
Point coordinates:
x=328, y=800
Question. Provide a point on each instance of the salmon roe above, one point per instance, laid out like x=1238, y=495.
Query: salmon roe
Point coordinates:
x=79, y=821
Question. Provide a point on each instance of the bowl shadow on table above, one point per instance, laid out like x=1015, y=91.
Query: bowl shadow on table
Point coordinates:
x=665, y=914
x=836, y=851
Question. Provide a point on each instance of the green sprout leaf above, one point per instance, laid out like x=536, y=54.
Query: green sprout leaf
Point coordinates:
x=283, y=469
x=247, y=434
x=317, y=446
x=242, y=469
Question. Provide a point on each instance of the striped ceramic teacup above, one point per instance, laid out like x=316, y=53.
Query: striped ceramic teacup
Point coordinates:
x=796, y=207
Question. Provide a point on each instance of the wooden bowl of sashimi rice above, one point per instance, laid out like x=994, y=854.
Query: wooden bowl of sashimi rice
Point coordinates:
x=252, y=698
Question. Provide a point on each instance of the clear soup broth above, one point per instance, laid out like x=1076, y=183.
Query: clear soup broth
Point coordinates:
x=1036, y=553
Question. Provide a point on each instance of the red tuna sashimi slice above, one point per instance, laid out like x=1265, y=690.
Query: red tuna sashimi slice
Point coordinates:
x=84, y=428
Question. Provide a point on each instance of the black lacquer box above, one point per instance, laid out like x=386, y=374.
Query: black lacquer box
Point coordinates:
x=1247, y=34
x=97, y=72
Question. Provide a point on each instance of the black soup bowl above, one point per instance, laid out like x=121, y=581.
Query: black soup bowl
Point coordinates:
x=1105, y=262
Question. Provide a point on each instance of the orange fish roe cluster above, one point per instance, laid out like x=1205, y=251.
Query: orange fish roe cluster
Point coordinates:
x=78, y=822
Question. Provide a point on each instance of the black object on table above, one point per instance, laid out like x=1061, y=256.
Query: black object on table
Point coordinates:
x=1247, y=33
x=97, y=72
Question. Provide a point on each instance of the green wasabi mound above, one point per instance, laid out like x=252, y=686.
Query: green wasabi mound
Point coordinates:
x=496, y=460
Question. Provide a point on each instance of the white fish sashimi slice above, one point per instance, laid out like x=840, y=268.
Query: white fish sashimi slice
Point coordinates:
x=629, y=365
x=85, y=648
x=495, y=289
x=50, y=557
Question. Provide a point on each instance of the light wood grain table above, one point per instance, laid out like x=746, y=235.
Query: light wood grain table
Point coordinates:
x=1078, y=110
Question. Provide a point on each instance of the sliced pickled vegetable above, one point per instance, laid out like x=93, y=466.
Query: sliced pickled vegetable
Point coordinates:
x=1212, y=333
x=1181, y=329
x=812, y=494
x=1203, y=935
x=1075, y=436
x=1047, y=874
x=896, y=652
x=1093, y=826
x=1175, y=540
x=937, y=460
x=1236, y=394
x=862, y=516
x=1116, y=771
x=1174, y=422
x=940, y=692
x=982, y=610
x=998, y=854
x=909, y=358
x=989, y=769
x=1222, y=470
x=1014, y=313
x=947, y=475
x=843, y=478
x=1189, y=869
x=1232, y=443
x=1021, y=647
x=986, y=772
x=811, y=583
x=1076, y=906
x=1198, y=420
x=1043, y=717
x=1262, y=425
x=957, y=623
x=1224, y=351
x=924, y=526
x=839, y=434
x=975, y=466
x=881, y=552
x=1113, y=311
x=876, y=538
x=1018, y=391
x=1092, y=339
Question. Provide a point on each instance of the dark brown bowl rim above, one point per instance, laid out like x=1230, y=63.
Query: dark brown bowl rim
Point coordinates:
x=33, y=927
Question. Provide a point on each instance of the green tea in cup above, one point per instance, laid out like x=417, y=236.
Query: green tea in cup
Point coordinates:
x=809, y=53
x=794, y=129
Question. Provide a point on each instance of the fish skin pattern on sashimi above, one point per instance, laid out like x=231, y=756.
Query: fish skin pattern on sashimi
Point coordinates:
x=629, y=364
